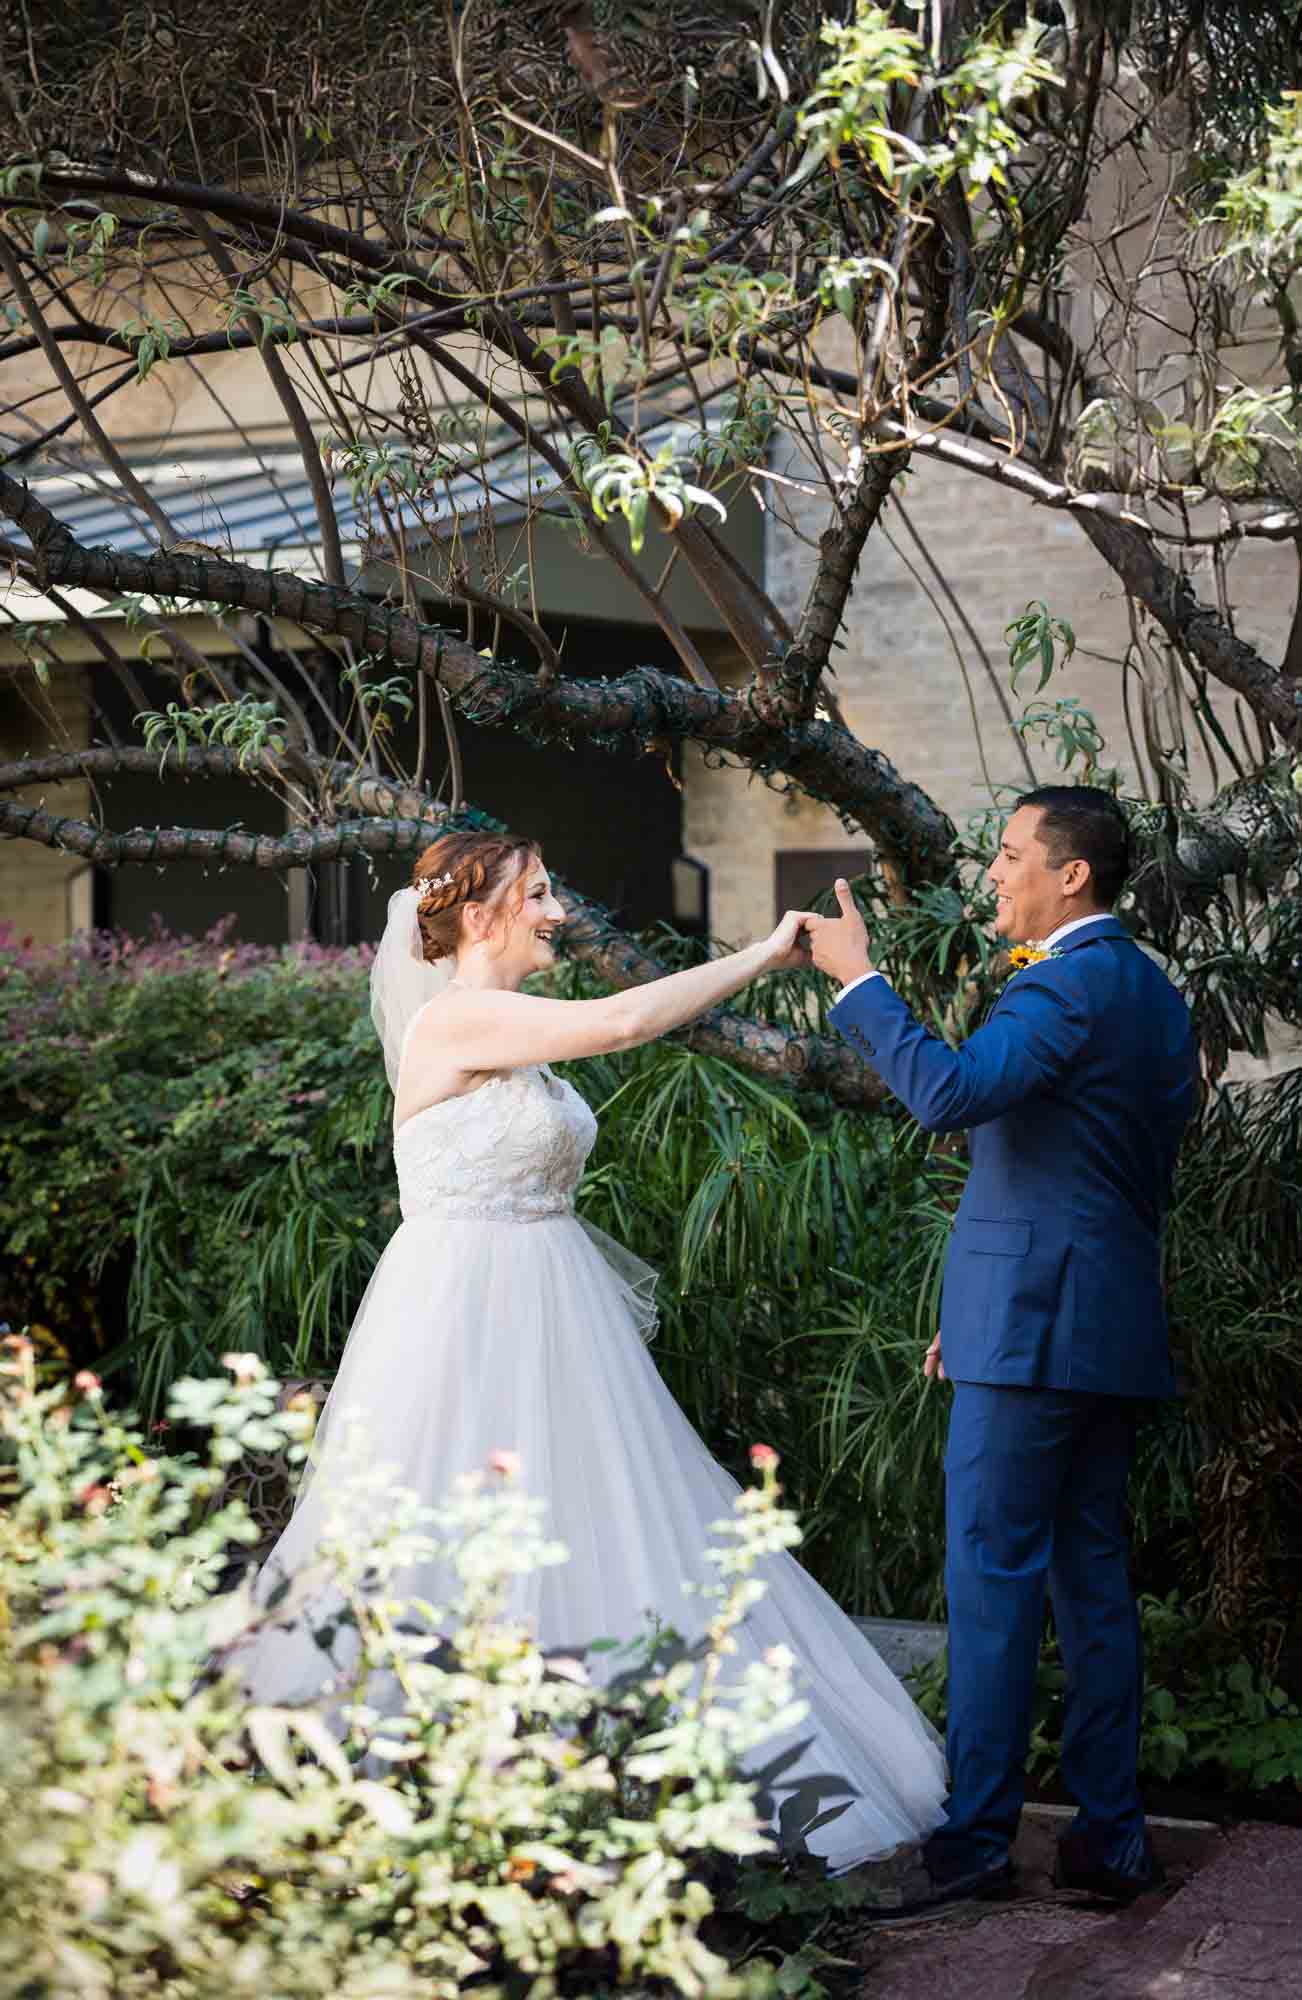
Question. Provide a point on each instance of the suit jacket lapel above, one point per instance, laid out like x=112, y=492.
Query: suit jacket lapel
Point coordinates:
x=1106, y=926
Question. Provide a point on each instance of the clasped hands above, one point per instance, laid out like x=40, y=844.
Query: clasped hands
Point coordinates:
x=838, y=946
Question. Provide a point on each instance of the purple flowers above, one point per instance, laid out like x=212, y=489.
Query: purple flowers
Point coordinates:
x=41, y=986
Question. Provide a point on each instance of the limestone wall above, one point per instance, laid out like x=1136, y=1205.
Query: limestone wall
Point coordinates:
x=900, y=681
x=45, y=895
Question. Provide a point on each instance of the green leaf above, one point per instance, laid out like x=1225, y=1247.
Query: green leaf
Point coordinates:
x=268, y=1730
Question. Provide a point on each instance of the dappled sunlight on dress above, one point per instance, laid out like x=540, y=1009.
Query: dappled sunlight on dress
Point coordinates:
x=497, y=1320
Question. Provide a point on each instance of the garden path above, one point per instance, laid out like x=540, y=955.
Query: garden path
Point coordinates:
x=1231, y=1931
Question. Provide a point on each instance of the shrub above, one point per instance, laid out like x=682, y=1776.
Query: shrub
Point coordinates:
x=162, y=1103
x=197, y=1135
x=194, y=1140
x=529, y=1834
x=1210, y=1716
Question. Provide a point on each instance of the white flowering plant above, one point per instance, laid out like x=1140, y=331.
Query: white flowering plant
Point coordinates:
x=528, y=1834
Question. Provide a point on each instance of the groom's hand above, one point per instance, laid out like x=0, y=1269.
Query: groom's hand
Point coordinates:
x=932, y=1365
x=840, y=944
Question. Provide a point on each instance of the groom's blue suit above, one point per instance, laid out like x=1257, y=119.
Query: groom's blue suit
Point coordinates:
x=1053, y=1330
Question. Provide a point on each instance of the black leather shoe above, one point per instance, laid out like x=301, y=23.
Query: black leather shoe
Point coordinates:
x=1077, y=1868
x=916, y=1890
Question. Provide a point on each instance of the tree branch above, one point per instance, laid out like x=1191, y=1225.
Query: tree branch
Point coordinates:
x=839, y=549
x=756, y=624
x=636, y=708
x=1169, y=597
x=754, y=621
x=528, y=433
x=332, y=555
x=1292, y=667
x=72, y=390
x=86, y=333
x=109, y=653
x=1125, y=541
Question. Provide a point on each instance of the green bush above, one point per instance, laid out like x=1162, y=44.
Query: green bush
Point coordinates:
x=197, y=1136
x=194, y=1144
x=530, y=1836
x=1210, y=1717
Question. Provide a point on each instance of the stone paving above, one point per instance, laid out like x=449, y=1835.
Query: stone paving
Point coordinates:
x=1227, y=1927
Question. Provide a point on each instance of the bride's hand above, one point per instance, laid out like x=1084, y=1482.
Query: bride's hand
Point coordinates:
x=788, y=948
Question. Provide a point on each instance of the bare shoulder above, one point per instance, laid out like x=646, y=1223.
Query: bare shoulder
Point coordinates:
x=473, y=1003
x=467, y=1011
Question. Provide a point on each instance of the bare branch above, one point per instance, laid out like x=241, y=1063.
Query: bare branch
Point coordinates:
x=947, y=590
x=191, y=346
x=332, y=555
x=839, y=549
x=549, y=660
x=754, y=620
x=1169, y=597
x=1293, y=649
x=108, y=451
x=669, y=624
x=636, y=708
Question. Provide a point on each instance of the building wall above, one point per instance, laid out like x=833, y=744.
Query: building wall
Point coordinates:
x=899, y=678
x=45, y=895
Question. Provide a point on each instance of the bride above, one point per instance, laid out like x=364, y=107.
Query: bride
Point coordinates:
x=495, y=1319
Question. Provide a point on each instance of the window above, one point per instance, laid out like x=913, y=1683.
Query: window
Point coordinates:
x=804, y=873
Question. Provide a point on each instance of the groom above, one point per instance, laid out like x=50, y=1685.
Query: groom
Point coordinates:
x=1052, y=1331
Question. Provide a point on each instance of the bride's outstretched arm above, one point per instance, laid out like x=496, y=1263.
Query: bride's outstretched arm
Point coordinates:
x=482, y=1029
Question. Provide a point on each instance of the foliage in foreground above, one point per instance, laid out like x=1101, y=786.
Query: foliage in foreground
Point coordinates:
x=530, y=1835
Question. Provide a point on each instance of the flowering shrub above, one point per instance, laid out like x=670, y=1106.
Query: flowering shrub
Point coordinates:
x=529, y=1835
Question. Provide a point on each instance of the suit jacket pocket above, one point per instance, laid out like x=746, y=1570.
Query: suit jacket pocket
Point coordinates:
x=1004, y=1284
x=993, y=1239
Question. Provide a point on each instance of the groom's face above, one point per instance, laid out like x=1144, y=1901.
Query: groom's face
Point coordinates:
x=1031, y=901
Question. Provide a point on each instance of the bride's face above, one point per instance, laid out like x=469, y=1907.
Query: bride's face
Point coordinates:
x=529, y=917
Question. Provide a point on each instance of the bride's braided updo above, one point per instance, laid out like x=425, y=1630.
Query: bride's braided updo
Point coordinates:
x=463, y=868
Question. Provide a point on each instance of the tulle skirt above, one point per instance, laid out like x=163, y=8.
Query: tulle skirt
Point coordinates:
x=477, y=1336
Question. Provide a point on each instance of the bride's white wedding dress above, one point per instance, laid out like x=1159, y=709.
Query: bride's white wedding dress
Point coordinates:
x=497, y=1320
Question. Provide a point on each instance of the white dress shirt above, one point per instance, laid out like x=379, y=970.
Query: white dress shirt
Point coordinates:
x=1055, y=937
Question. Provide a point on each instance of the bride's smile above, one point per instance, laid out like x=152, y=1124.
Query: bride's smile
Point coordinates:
x=511, y=934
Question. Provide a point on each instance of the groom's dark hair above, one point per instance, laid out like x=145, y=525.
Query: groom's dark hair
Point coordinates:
x=1083, y=823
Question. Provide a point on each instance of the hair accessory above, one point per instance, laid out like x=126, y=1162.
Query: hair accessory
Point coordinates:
x=439, y=882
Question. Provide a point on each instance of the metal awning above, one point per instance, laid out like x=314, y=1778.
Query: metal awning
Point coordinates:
x=256, y=507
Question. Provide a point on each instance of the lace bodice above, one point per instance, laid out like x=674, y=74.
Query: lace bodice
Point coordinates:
x=511, y=1150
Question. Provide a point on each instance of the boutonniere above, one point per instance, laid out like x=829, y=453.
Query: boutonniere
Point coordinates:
x=1023, y=955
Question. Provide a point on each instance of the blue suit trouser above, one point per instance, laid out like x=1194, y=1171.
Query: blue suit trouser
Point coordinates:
x=1035, y=1500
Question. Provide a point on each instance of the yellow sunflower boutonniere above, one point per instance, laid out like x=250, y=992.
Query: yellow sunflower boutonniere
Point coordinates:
x=1022, y=955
